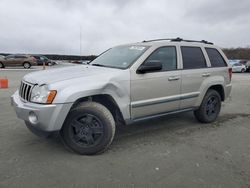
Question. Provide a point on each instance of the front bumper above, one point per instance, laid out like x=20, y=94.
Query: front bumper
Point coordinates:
x=49, y=118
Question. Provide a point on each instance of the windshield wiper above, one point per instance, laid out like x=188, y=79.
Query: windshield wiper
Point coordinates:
x=99, y=65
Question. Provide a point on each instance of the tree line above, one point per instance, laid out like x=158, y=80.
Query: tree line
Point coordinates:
x=237, y=53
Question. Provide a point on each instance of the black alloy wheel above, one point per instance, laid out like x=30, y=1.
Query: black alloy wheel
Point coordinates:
x=86, y=130
x=209, y=108
x=212, y=106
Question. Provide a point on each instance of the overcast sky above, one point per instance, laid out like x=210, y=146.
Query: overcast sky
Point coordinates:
x=53, y=26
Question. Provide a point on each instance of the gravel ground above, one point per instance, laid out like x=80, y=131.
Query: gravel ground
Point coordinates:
x=175, y=151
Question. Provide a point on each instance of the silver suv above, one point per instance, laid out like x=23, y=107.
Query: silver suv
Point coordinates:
x=125, y=84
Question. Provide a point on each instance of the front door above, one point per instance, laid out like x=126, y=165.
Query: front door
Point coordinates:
x=10, y=60
x=153, y=93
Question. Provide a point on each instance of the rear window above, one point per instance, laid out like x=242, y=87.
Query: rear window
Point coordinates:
x=193, y=58
x=215, y=58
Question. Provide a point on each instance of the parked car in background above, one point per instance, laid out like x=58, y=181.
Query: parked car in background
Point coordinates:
x=18, y=60
x=237, y=67
x=243, y=61
x=247, y=66
x=43, y=59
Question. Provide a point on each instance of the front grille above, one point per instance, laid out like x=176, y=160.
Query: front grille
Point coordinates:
x=25, y=90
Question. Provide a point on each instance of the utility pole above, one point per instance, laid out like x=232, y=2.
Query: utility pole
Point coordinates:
x=80, y=41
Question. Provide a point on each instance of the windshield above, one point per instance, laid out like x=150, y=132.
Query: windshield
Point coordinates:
x=119, y=57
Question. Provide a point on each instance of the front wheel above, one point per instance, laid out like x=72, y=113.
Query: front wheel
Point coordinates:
x=209, y=108
x=243, y=70
x=26, y=65
x=89, y=129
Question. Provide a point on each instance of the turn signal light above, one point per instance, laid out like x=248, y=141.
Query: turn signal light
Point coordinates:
x=51, y=96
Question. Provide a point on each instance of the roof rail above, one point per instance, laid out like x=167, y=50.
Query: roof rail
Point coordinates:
x=178, y=39
x=154, y=40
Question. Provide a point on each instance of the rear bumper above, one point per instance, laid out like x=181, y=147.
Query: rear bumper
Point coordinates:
x=228, y=90
x=46, y=118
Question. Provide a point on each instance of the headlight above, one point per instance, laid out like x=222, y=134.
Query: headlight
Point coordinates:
x=42, y=94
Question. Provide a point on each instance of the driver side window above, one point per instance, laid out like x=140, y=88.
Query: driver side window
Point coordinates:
x=165, y=55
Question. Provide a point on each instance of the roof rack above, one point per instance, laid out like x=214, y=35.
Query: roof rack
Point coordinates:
x=178, y=39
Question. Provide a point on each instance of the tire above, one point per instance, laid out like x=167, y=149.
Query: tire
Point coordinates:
x=1, y=65
x=209, y=108
x=26, y=65
x=242, y=70
x=88, y=129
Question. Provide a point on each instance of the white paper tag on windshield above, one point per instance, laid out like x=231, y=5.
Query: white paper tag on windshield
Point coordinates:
x=137, y=48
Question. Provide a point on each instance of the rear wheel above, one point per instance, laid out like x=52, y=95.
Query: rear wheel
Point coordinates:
x=89, y=129
x=26, y=65
x=242, y=70
x=209, y=108
x=1, y=65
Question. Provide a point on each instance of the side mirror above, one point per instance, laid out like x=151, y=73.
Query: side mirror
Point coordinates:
x=149, y=66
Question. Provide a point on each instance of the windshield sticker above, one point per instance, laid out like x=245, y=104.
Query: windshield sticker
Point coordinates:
x=137, y=48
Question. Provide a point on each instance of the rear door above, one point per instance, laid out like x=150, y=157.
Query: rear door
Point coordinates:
x=19, y=59
x=195, y=71
x=157, y=92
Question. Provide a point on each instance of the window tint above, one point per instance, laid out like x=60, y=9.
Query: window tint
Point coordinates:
x=215, y=58
x=193, y=58
x=19, y=56
x=10, y=56
x=167, y=56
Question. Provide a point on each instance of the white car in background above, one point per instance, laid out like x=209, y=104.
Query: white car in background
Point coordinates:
x=237, y=66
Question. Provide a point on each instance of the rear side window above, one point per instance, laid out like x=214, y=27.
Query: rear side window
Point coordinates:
x=215, y=58
x=193, y=58
x=167, y=56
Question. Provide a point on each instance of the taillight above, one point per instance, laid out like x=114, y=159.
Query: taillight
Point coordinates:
x=230, y=72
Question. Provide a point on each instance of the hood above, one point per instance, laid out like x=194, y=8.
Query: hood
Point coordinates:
x=66, y=73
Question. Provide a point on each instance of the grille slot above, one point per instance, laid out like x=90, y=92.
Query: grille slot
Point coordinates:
x=25, y=90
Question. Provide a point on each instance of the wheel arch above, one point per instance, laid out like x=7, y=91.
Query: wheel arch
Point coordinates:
x=107, y=101
x=220, y=89
x=26, y=62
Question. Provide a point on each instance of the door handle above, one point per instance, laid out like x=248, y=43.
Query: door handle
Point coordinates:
x=206, y=74
x=172, y=78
